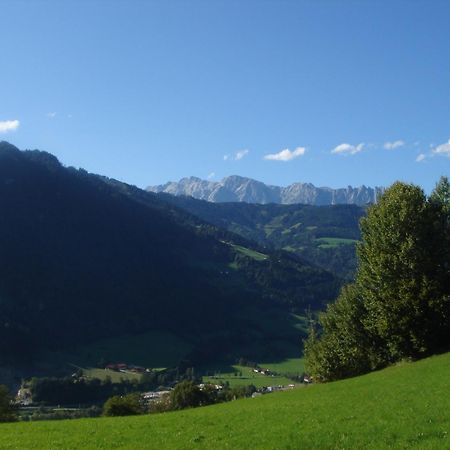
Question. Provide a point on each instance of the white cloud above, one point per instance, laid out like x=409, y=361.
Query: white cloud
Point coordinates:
x=51, y=115
x=394, y=144
x=286, y=154
x=240, y=154
x=348, y=149
x=442, y=149
x=9, y=125
x=237, y=156
x=211, y=175
x=420, y=157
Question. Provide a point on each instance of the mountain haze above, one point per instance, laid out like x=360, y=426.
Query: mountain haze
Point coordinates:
x=240, y=189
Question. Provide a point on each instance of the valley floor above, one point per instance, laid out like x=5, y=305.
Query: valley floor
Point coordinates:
x=405, y=406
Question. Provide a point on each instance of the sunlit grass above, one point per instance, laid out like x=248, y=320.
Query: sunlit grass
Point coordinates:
x=406, y=406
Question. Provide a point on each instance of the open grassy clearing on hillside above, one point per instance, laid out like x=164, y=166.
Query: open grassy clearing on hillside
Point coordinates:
x=328, y=242
x=406, y=406
x=115, y=377
x=250, y=253
x=241, y=376
x=290, y=365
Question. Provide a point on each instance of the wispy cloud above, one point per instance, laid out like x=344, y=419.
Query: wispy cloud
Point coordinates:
x=394, y=144
x=240, y=154
x=9, y=125
x=442, y=149
x=420, y=157
x=236, y=156
x=348, y=149
x=51, y=115
x=286, y=154
x=211, y=175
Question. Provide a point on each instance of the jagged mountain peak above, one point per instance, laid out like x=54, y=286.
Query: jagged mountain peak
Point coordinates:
x=236, y=188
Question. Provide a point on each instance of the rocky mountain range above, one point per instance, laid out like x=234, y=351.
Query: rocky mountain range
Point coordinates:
x=241, y=189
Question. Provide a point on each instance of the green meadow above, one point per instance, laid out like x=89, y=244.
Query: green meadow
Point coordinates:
x=237, y=375
x=241, y=375
x=330, y=242
x=288, y=366
x=249, y=252
x=404, y=406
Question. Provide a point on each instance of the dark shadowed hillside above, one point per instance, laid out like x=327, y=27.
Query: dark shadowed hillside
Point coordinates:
x=83, y=258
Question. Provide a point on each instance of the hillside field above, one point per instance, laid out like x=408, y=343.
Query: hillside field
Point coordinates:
x=241, y=376
x=405, y=406
x=237, y=375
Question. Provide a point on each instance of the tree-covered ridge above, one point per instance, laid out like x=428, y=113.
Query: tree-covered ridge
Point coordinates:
x=83, y=258
x=322, y=235
x=399, y=305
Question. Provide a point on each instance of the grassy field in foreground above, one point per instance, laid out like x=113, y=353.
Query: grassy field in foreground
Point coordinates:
x=405, y=406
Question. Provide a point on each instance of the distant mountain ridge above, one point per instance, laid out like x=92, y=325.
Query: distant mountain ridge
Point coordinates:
x=241, y=189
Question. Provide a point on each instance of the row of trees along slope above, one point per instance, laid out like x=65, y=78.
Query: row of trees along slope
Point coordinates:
x=399, y=305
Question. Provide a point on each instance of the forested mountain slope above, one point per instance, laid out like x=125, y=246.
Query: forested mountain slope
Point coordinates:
x=323, y=235
x=83, y=257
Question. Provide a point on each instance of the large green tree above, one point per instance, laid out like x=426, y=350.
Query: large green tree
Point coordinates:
x=400, y=305
x=397, y=271
x=344, y=348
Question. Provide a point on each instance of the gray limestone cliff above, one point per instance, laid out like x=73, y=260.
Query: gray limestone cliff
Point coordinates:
x=240, y=189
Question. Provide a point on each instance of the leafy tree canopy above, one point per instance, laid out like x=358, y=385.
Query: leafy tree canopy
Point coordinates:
x=127, y=405
x=399, y=306
x=186, y=395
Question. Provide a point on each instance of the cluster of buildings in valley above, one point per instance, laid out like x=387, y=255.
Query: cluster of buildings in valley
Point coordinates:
x=263, y=371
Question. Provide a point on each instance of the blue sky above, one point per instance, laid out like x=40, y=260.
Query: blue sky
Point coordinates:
x=280, y=91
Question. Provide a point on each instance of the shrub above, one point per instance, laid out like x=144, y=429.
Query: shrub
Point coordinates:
x=7, y=409
x=127, y=405
x=187, y=395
